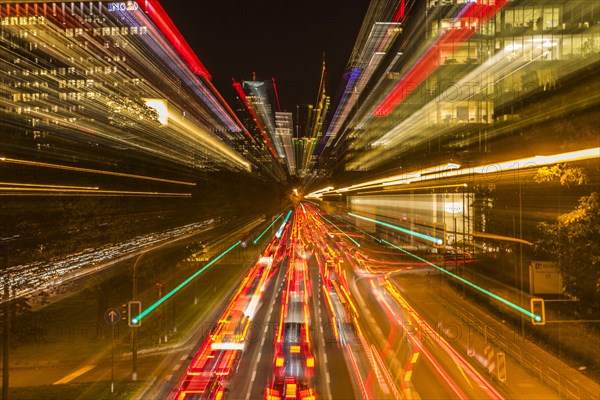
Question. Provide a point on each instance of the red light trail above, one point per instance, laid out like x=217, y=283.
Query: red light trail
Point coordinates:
x=472, y=17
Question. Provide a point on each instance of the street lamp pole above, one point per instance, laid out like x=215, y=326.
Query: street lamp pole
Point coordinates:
x=464, y=242
x=521, y=256
x=455, y=244
x=134, y=328
x=5, y=324
x=112, y=361
x=5, y=334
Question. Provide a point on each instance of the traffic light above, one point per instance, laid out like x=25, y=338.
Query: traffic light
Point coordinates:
x=134, y=309
x=538, y=309
x=439, y=232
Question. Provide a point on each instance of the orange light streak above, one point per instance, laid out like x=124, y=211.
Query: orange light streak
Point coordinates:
x=75, y=192
x=37, y=185
x=92, y=171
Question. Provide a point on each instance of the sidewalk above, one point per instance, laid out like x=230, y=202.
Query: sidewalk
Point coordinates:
x=489, y=335
x=580, y=338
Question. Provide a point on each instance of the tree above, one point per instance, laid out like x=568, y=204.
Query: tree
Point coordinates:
x=566, y=175
x=573, y=242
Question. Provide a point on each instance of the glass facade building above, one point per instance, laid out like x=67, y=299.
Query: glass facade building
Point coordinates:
x=473, y=74
x=84, y=81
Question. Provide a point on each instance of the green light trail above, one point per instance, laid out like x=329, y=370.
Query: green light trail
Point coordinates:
x=412, y=233
x=265, y=231
x=482, y=290
x=280, y=230
x=357, y=228
x=353, y=241
x=148, y=310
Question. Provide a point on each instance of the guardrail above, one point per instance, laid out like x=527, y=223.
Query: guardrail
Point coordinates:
x=564, y=387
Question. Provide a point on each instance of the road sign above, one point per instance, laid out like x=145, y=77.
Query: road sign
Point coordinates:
x=489, y=354
x=112, y=316
x=501, y=361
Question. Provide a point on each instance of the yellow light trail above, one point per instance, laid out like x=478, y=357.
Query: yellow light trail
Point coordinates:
x=318, y=193
x=395, y=189
x=499, y=237
x=214, y=144
x=483, y=82
x=494, y=168
x=92, y=171
x=98, y=96
x=36, y=185
x=10, y=191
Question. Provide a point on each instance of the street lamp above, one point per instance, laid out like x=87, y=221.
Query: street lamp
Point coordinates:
x=455, y=208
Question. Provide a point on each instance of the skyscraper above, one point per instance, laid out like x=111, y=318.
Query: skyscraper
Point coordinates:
x=84, y=81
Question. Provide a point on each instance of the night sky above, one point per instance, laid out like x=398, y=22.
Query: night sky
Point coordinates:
x=283, y=39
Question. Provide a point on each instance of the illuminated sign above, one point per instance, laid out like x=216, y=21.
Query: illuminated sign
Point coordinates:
x=123, y=6
x=545, y=278
x=453, y=208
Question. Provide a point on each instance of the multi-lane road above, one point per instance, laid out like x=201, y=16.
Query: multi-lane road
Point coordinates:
x=320, y=315
x=317, y=310
x=274, y=339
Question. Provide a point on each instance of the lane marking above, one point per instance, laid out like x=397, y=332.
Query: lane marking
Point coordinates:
x=270, y=312
x=75, y=374
x=183, y=358
x=176, y=367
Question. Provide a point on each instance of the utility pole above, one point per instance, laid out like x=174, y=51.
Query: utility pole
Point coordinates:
x=521, y=254
x=133, y=328
x=112, y=361
x=464, y=242
x=5, y=325
x=5, y=333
